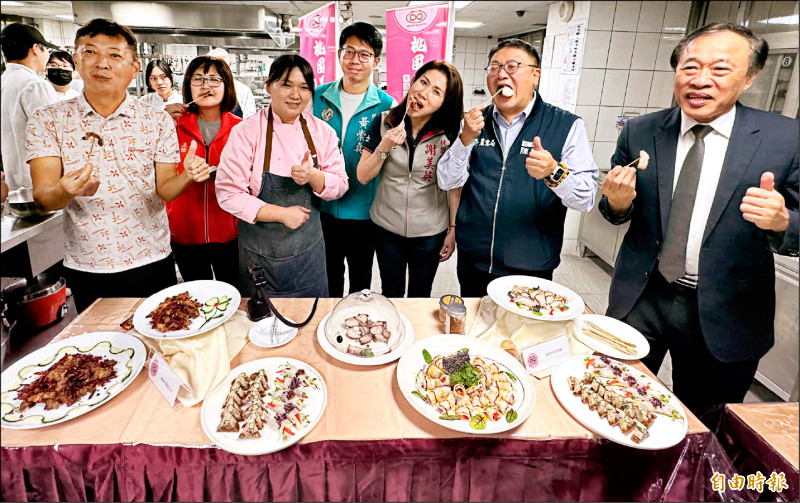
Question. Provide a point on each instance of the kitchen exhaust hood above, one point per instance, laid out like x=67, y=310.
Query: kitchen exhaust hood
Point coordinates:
x=199, y=23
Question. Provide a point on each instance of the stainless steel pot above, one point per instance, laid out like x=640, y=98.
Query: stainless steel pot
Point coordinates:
x=22, y=205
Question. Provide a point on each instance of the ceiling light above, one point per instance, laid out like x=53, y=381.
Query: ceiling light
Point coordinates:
x=468, y=24
x=11, y=4
x=781, y=20
x=64, y=16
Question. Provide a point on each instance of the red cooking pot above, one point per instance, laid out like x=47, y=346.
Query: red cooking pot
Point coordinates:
x=38, y=301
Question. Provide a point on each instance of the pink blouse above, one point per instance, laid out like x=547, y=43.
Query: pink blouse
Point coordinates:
x=242, y=163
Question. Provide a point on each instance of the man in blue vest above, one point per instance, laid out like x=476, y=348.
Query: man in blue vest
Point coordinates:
x=520, y=174
x=349, y=105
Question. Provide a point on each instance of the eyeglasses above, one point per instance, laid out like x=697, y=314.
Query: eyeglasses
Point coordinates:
x=212, y=82
x=363, y=56
x=510, y=67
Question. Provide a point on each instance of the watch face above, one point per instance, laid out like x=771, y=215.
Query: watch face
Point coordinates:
x=557, y=174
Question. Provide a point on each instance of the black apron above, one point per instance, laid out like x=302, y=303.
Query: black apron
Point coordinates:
x=293, y=260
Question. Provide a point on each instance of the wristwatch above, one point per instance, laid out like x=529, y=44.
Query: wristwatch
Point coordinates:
x=557, y=176
x=382, y=155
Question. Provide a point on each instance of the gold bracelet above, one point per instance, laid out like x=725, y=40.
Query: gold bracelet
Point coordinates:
x=560, y=172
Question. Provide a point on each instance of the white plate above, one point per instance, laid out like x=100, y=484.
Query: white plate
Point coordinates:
x=271, y=439
x=201, y=291
x=125, y=349
x=261, y=335
x=412, y=363
x=408, y=339
x=618, y=328
x=664, y=432
x=499, y=288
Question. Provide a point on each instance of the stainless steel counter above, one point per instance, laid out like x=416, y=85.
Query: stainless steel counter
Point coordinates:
x=31, y=246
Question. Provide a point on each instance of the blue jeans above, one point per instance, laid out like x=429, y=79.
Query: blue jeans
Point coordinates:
x=397, y=253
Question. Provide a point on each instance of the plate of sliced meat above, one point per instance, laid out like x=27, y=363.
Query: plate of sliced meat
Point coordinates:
x=353, y=351
x=186, y=309
x=619, y=402
x=264, y=406
x=536, y=298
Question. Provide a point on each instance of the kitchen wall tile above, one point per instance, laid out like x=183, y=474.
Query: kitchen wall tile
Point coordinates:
x=466, y=77
x=483, y=45
x=472, y=45
x=589, y=115
x=590, y=86
x=676, y=16
x=724, y=12
x=638, y=90
x=620, y=50
x=572, y=223
x=651, y=17
x=458, y=61
x=469, y=61
x=626, y=17
x=614, y=88
x=645, y=50
x=661, y=90
x=606, y=129
x=602, y=152
x=665, y=46
x=601, y=15
x=595, y=50
x=479, y=60
x=460, y=43
x=479, y=78
x=633, y=112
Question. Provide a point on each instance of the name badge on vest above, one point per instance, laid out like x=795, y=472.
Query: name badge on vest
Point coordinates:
x=327, y=114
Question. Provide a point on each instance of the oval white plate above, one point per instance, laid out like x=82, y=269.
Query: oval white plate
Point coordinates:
x=271, y=439
x=201, y=291
x=260, y=334
x=618, y=328
x=499, y=288
x=127, y=368
x=664, y=432
x=408, y=339
x=412, y=363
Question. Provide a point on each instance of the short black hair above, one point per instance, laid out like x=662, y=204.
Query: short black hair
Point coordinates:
x=63, y=56
x=519, y=44
x=205, y=63
x=284, y=66
x=759, y=49
x=366, y=33
x=109, y=28
x=164, y=66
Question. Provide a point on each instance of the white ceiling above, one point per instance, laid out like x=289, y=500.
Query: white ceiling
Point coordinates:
x=499, y=18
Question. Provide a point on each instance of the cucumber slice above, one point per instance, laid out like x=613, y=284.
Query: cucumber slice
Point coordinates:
x=66, y=349
x=212, y=301
x=127, y=375
x=16, y=385
x=48, y=419
x=98, y=398
x=80, y=409
x=222, y=307
x=47, y=361
x=224, y=298
x=13, y=417
x=5, y=408
x=24, y=371
x=102, y=345
x=130, y=352
x=113, y=389
x=208, y=309
x=116, y=351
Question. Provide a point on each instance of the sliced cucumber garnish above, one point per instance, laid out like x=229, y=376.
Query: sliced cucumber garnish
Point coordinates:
x=48, y=361
x=24, y=371
x=5, y=408
x=212, y=301
x=13, y=417
x=80, y=409
x=66, y=349
x=208, y=309
x=49, y=420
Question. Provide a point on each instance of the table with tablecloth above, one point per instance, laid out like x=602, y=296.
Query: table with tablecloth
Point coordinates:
x=369, y=445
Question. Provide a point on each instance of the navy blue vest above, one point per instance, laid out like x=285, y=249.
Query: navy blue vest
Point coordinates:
x=507, y=220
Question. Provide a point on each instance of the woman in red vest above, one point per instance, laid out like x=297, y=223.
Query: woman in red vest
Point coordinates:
x=204, y=236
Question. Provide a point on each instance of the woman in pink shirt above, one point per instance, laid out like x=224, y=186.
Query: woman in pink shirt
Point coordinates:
x=274, y=170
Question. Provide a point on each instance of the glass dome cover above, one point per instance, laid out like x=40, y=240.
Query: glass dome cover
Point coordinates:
x=365, y=324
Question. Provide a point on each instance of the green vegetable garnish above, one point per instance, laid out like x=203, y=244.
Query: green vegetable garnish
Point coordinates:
x=426, y=356
x=417, y=393
x=468, y=376
x=511, y=416
x=367, y=352
x=449, y=417
x=478, y=421
x=511, y=376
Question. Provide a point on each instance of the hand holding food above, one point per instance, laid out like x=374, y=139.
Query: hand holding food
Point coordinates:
x=765, y=206
x=393, y=137
x=80, y=182
x=295, y=216
x=175, y=110
x=620, y=187
x=540, y=162
x=473, y=124
x=195, y=166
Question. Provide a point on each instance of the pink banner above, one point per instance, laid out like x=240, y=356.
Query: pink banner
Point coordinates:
x=318, y=35
x=414, y=36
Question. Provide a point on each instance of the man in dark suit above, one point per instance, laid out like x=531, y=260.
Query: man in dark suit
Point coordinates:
x=695, y=273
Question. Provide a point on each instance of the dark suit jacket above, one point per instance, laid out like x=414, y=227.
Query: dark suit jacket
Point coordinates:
x=736, y=278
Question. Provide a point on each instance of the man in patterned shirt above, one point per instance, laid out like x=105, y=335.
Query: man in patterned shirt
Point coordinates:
x=109, y=161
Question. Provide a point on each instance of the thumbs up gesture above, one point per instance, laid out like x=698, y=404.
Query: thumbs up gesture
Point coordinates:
x=195, y=166
x=540, y=163
x=302, y=174
x=765, y=206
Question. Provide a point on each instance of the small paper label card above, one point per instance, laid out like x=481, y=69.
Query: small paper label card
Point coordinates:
x=164, y=378
x=545, y=354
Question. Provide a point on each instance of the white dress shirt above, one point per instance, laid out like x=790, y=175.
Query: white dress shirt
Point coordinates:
x=68, y=94
x=22, y=91
x=716, y=145
x=157, y=101
x=244, y=95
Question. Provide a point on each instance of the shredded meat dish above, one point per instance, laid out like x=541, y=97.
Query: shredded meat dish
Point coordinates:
x=67, y=381
x=175, y=313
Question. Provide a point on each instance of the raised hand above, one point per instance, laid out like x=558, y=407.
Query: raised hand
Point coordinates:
x=765, y=206
x=295, y=216
x=195, y=166
x=473, y=124
x=303, y=172
x=540, y=162
x=393, y=137
x=175, y=110
x=80, y=182
x=620, y=187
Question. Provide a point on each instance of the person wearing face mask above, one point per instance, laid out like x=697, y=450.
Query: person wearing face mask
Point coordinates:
x=158, y=76
x=414, y=219
x=22, y=91
x=276, y=168
x=59, y=72
x=522, y=162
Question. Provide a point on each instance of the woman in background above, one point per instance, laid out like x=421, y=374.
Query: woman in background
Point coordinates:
x=414, y=220
x=277, y=166
x=158, y=78
x=203, y=235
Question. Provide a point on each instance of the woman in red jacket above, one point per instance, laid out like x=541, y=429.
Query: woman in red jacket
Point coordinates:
x=204, y=237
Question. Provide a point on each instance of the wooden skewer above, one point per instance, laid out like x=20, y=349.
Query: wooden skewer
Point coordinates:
x=631, y=163
x=608, y=334
x=205, y=95
x=597, y=336
x=408, y=104
x=489, y=101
